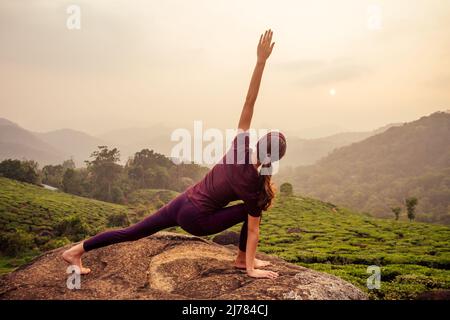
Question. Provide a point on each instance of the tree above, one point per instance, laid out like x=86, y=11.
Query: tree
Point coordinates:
x=30, y=171
x=183, y=175
x=148, y=169
x=53, y=175
x=396, y=211
x=11, y=169
x=105, y=172
x=117, y=195
x=411, y=204
x=286, y=189
x=71, y=182
x=69, y=164
x=148, y=158
x=25, y=171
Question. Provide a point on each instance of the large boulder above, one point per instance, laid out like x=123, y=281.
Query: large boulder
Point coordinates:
x=169, y=266
x=227, y=237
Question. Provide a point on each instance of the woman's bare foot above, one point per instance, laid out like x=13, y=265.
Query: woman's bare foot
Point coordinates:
x=240, y=264
x=73, y=257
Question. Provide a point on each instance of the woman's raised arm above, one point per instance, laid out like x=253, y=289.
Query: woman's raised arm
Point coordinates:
x=264, y=50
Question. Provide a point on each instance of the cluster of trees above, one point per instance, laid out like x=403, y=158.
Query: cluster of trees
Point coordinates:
x=104, y=178
x=25, y=171
x=410, y=204
x=53, y=174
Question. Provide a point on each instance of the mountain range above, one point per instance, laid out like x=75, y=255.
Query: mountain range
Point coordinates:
x=308, y=151
x=54, y=147
x=380, y=172
x=370, y=171
x=19, y=143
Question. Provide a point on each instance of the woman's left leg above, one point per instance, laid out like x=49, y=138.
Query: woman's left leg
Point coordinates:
x=207, y=223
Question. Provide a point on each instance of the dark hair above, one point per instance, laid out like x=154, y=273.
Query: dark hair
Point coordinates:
x=266, y=155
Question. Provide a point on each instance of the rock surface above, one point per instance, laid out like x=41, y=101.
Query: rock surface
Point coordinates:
x=227, y=237
x=169, y=266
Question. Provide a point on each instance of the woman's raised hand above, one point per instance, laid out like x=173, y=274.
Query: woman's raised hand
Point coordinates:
x=265, y=46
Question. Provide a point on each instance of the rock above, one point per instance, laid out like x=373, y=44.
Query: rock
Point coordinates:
x=227, y=237
x=169, y=266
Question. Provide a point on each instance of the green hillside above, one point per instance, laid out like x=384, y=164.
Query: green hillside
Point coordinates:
x=29, y=215
x=379, y=172
x=414, y=257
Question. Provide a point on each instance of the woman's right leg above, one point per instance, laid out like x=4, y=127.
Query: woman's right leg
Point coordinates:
x=161, y=219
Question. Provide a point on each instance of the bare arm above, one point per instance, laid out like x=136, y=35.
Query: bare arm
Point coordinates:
x=250, y=252
x=264, y=50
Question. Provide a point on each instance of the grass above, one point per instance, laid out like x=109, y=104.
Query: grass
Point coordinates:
x=33, y=208
x=34, y=211
x=413, y=257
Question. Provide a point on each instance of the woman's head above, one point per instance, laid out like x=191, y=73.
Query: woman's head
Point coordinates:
x=270, y=148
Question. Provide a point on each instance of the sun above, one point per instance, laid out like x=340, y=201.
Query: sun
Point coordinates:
x=332, y=92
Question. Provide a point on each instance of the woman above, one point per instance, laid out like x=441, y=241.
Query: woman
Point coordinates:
x=201, y=210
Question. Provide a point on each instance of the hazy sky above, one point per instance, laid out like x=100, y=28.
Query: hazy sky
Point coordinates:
x=136, y=63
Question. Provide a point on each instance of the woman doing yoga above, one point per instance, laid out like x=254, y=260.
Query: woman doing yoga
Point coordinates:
x=242, y=174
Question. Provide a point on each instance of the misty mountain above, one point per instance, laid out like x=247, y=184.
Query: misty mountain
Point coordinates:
x=309, y=151
x=132, y=140
x=54, y=146
x=19, y=143
x=301, y=151
x=379, y=172
x=73, y=144
x=316, y=132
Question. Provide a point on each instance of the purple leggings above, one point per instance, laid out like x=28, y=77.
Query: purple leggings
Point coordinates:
x=179, y=212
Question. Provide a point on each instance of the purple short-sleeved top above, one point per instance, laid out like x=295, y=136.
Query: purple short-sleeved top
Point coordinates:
x=232, y=178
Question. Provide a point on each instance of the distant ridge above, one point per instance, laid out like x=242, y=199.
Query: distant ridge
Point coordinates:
x=6, y=122
x=19, y=143
x=72, y=143
x=309, y=151
x=381, y=171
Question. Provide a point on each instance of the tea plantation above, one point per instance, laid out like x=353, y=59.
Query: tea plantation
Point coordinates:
x=413, y=257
